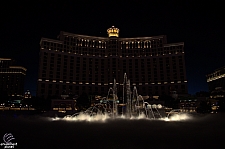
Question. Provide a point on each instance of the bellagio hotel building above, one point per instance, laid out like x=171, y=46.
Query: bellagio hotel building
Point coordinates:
x=88, y=64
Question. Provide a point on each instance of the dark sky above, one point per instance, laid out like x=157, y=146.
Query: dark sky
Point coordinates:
x=199, y=25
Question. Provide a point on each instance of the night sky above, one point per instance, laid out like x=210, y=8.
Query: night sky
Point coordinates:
x=199, y=25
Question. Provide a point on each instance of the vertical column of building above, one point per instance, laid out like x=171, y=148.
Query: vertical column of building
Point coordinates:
x=145, y=73
x=164, y=75
x=40, y=68
x=89, y=74
x=57, y=73
x=182, y=69
x=87, y=88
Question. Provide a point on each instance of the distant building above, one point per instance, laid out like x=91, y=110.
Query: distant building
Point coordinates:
x=65, y=104
x=216, y=79
x=216, y=84
x=217, y=99
x=188, y=105
x=88, y=64
x=27, y=94
x=11, y=78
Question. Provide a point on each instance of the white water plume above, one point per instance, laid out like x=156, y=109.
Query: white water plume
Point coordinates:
x=178, y=117
x=105, y=117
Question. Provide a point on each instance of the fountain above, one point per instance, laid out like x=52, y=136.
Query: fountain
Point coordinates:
x=133, y=106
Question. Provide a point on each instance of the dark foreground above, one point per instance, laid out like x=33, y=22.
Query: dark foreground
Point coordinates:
x=36, y=132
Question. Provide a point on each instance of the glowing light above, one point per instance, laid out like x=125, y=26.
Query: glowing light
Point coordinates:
x=113, y=32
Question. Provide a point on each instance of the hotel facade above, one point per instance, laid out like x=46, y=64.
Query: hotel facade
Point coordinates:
x=88, y=64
